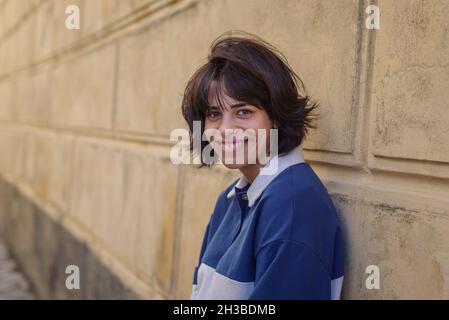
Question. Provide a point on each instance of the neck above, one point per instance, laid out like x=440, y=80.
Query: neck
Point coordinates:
x=250, y=172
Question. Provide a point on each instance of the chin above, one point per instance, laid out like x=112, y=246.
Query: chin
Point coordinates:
x=234, y=166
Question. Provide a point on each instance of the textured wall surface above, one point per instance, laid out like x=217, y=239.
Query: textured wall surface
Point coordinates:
x=85, y=118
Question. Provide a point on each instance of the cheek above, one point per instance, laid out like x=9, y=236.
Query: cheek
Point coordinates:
x=262, y=122
x=268, y=124
x=207, y=124
x=210, y=132
x=211, y=126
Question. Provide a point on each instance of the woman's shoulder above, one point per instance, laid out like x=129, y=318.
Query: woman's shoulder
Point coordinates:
x=296, y=183
x=296, y=206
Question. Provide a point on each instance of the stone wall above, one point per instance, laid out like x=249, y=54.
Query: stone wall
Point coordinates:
x=85, y=118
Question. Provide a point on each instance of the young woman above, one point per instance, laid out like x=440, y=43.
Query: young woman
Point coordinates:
x=272, y=234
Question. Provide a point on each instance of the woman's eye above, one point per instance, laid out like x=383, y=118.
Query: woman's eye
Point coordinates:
x=244, y=112
x=213, y=114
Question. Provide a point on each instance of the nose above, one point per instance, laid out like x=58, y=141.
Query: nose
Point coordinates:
x=227, y=126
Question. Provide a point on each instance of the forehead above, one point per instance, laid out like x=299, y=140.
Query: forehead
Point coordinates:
x=218, y=97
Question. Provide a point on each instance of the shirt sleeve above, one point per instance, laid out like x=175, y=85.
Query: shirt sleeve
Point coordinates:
x=289, y=270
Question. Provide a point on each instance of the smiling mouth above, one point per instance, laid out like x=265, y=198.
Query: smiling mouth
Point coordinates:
x=230, y=147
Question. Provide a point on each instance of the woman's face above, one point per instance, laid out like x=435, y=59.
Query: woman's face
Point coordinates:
x=235, y=148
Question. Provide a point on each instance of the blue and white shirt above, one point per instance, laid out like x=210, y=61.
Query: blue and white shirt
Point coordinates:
x=276, y=238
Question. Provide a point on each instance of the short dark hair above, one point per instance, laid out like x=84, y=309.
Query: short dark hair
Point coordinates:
x=249, y=69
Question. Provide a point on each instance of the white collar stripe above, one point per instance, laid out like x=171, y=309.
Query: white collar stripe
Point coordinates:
x=263, y=179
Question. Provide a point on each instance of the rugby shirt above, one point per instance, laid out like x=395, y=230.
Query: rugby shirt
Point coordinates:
x=276, y=238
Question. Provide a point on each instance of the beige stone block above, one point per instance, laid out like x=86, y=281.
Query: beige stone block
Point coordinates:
x=46, y=30
x=149, y=88
x=98, y=14
x=201, y=188
x=27, y=152
x=24, y=97
x=10, y=47
x=155, y=234
x=13, y=162
x=126, y=197
x=12, y=13
x=96, y=179
x=59, y=35
x=25, y=41
x=101, y=14
x=32, y=96
x=6, y=55
x=52, y=35
x=411, y=78
x=83, y=89
x=41, y=107
x=10, y=152
x=65, y=86
x=48, y=156
x=50, y=32
x=7, y=98
x=408, y=243
x=128, y=7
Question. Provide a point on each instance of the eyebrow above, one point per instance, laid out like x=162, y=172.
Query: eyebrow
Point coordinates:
x=240, y=104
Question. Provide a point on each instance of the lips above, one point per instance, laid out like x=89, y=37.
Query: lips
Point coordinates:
x=231, y=147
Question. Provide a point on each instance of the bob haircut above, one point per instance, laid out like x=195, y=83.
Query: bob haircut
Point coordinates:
x=248, y=69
